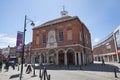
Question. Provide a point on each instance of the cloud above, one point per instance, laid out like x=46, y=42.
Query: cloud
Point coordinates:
x=6, y=40
x=96, y=40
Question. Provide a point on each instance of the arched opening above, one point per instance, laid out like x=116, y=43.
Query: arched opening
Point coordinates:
x=52, y=56
x=70, y=57
x=61, y=57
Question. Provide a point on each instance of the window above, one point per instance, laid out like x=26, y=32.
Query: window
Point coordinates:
x=86, y=39
x=61, y=36
x=80, y=36
x=117, y=37
x=37, y=40
x=69, y=35
x=44, y=39
x=108, y=47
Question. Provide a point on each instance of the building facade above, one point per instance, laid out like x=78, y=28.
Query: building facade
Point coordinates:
x=27, y=53
x=1, y=56
x=9, y=53
x=5, y=53
x=62, y=41
x=108, y=48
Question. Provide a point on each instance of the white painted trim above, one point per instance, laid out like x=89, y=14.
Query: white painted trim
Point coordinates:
x=71, y=49
x=105, y=54
x=64, y=46
x=60, y=50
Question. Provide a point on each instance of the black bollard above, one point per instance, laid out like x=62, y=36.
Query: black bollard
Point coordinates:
x=40, y=76
x=115, y=72
x=18, y=67
x=44, y=74
x=34, y=71
x=48, y=77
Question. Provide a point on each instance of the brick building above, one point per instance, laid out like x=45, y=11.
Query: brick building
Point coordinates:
x=1, y=54
x=108, y=48
x=62, y=41
x=27, y=53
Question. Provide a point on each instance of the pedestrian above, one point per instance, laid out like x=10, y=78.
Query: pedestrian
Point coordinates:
x=6, y=66
x=29, y=69
x=1, y=64
x=13, y=66
x=103, y=62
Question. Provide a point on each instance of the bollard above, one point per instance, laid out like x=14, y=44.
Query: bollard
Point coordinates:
x=115, y=72
x=48, y=77
x=40, y=76
x=34, y=71
x=18, y=67
x=44, y=73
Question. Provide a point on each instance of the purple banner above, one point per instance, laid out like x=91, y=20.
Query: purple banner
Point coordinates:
x=19, y=42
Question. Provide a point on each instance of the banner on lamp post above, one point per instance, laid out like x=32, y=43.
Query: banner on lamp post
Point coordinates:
x=19, y=42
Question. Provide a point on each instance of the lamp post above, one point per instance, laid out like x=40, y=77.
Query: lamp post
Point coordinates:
x=22, y=58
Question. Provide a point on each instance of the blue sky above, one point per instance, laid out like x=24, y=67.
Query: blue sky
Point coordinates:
x=100, y=16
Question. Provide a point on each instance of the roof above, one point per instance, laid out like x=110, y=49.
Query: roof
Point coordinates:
x=101, y=41
x=112, y=34
x=58, y=20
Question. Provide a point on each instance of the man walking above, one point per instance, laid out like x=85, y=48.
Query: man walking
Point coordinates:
x=103, y=62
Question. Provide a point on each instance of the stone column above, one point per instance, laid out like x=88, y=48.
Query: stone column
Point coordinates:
x=83, y=57
x=113, y=58
x=57, y=58
x=32, y=59
x=75, y=58
x=47, y=58
x=40, y=59
x=79, y=58
x=44, y=57
x=65, y=58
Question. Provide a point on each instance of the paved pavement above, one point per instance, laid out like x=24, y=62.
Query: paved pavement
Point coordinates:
x=94, y=71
